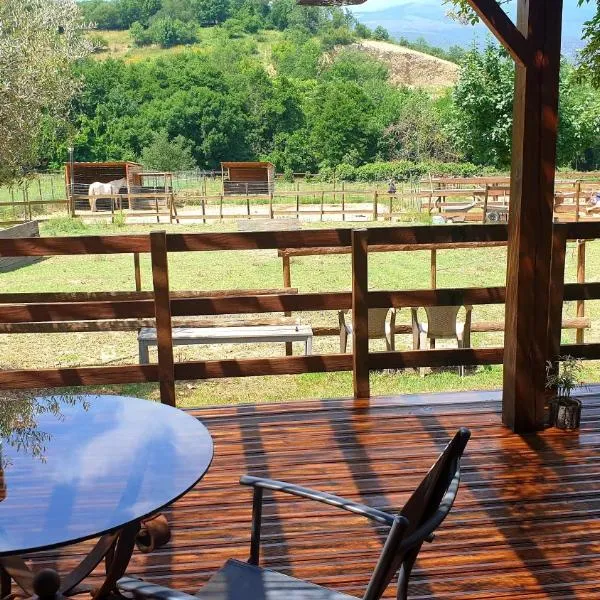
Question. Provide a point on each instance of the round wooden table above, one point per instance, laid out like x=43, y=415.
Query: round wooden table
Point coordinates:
x=78, y=467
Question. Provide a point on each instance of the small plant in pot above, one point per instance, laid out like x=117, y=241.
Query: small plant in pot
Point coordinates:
x=563, y=377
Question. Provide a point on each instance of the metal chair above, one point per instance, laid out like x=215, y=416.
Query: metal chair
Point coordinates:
x=379, y=327
x=424, y=512
x=442, y=323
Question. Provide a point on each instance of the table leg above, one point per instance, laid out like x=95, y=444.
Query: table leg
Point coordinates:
x=119, y=561
x=5, y=583
x=115, y=548
x=144, y=353
x=308, y=346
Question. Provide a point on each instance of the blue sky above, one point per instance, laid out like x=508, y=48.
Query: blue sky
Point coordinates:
x=412, y=18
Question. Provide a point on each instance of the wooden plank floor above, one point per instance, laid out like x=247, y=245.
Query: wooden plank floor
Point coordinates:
x=526, y=523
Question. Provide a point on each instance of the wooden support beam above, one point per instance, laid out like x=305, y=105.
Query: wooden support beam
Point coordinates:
x=162, y=308
x=557, y=292
x=580, y=279
x=360, y=314
x=530, y=224
x=506, y=32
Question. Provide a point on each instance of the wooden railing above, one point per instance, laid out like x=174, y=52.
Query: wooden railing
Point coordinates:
x=162, y=304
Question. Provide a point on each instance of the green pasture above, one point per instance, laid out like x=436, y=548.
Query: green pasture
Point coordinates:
x=262, y=269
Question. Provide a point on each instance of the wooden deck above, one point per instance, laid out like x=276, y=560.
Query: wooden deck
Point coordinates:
x=526, y=524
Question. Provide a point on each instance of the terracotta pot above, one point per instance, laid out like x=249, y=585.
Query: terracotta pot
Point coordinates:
x=568, y=413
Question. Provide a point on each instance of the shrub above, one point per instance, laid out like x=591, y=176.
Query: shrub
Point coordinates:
x=165, y=32
x=381, y=33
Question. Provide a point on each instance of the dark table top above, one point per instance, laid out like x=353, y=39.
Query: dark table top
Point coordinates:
x=75, y=467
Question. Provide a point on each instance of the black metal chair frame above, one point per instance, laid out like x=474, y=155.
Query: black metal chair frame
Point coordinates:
x=415, y=524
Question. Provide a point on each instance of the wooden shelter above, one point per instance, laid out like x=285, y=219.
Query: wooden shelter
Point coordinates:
x=248, y=178
x=82, y=174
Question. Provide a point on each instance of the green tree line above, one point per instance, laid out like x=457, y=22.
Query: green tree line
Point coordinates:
x=316, y=110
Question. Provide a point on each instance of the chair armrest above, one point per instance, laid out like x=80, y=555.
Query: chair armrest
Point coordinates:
x=330, y=499
x=143, y=590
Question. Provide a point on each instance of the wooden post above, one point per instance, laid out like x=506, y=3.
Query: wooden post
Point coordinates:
x=297, y=200
x=375, y=205
x=39, y=182
x=531, y=209
x=137, y=271
x=322, y=203
x=360, y=314
x=391, y=209
x=577, y=200
x=247, y=201
x=287, y=282
x=271, y=215
x=433, y=269
x=162, y=311
x=52, y=188
x=485, y=203
x=203, y=211
x=580, y=334
x=556, y=295
x=220, y=207
x=343, y=202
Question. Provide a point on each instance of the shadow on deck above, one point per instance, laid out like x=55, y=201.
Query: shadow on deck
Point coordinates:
x=526, y=523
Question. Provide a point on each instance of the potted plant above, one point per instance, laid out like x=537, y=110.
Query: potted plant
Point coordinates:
x=563, y=377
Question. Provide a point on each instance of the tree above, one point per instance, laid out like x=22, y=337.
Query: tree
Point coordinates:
x=381, y=33
x=589, y=58
x=483, y=100
x=481, y=120
x=39, y=42
x=164, y=154
x=340, y=124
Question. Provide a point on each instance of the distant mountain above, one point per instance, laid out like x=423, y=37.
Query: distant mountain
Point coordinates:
x=427, y=18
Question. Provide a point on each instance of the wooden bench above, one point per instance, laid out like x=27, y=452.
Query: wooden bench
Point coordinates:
x=186, y=336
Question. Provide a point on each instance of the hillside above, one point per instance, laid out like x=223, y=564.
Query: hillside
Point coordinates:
x=412, y=68
x=407, y=67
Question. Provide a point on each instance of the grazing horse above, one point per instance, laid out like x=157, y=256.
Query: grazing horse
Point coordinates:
x=100, y=190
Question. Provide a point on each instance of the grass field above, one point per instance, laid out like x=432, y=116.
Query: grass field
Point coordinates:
x=255, y=269
x=120, y=45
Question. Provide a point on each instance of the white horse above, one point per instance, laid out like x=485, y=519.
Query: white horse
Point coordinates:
x=101, y=190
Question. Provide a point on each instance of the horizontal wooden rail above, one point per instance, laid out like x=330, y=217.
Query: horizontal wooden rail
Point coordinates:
x=26, y=297
x=389, y=248
x=435, y=358
x=67, y=377
x=261, y=304
x=76, y=311
x=115, y=244
x=65, y=246
x=437, y=297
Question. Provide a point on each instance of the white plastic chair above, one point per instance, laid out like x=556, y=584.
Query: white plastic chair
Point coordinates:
x=442, y=323
x=379, y=327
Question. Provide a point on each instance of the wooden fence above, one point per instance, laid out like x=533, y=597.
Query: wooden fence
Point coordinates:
x=163, y=305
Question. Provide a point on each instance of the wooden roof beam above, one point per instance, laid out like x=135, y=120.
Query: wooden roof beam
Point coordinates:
x=490, y=12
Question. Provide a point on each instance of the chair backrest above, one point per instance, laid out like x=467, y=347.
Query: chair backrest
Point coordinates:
x=441, y=321
x=377, y=317
x=425, y=510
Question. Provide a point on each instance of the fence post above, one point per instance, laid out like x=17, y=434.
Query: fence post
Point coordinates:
x=556, y=291
x=485, y=203
x=577, y=202
x=271, y=215
x=360, y=314
x=433, y=269
x=322, y=203
x=580, y=335
x=137, y=272
x=375, y=205
x=162, y=312
x=287, y=283
x=297, y=200
x=343, y=202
